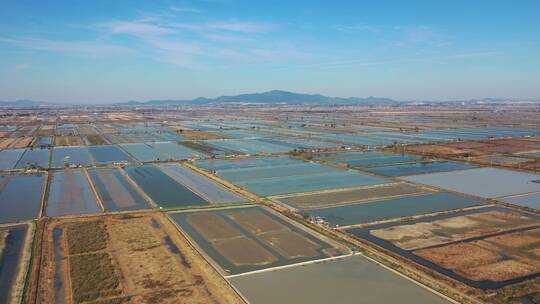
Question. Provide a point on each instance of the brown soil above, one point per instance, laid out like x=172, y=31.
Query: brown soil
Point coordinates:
x=21, y=142
x=244, y=251
x=499, y=271
x=213, y=227
x=95, y=139
x=4, y=143
x=459, y=256
x=442, y=151
x=194, y=134
x=256, y=221
x=348, y=197
x=68, y=140
x=291, y=245
x=421, y=235
x=516, y=240
x=146, y=260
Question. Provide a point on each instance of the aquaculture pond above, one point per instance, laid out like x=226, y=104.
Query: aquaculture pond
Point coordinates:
x=143, y=152
x=377, y=161
x=172, y=150
x=350, y=280
x=116, y=192
x=219, y=164
x=250, y=146
x=483, y=182
x=70, y=156
x=163, y=189
x=11, y=260
x=71, y=194
x=246, y=239
x=45, y=141
x=530, y=201
x=203, y=186
x=37, y=158
x=393, y=208
x=250, y=174
x=347, y=155
x=359, y=139
x=108, y=154
x=20, y=197
x=313, y=182
x=411, y=237
x=419, y=168
x=9, y=158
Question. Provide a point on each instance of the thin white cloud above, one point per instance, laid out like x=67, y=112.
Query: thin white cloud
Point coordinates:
x=472, y=55
x=185, y=9
x=88, y=48
x=21, y=66
x=137, y=28
x=243, y=27
x=358, y=28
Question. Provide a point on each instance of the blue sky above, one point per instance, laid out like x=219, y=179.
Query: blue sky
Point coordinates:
x=107, y=51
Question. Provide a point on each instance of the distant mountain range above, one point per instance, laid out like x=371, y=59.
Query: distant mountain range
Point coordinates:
x=272, y=97
x=275, y=97
x=22, y=104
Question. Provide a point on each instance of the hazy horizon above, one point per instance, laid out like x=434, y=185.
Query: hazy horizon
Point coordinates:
x=103, y=51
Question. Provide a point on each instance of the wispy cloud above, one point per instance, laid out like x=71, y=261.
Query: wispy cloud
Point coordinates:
x=21, y=66
x=421, y=35
x=185, y=9
x=359, y=28
x=243, y=27
x=87, y=48
x=472, y=55
x=137, y=28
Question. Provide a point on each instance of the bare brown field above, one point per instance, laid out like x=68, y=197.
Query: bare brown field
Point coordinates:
x=45, y=132
x=86, y=130
x=252, y=238
x=68, y=140
x=244, y=251
x=460, y=256
x=255, y=221
x=128, y=259
x=21, y=142
x=337, y=198
x=499, y=271
x=291, y=245
x=213, y=227
x=443, y=151
x=194, y=134
x=95, y=139
x=6, y=142
x=424, y=234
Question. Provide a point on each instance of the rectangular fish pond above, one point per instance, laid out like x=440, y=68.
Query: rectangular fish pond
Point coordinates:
x=203, y=186
x=71, y=156
x=20, y=197
x=163, y=189
x=71, y=194
x=108, y=154
x=116, y=192
x=245, y=239
x=419, y=168
x=379, y=210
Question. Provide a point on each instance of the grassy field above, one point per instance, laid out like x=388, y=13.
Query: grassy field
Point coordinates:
x=86, y=237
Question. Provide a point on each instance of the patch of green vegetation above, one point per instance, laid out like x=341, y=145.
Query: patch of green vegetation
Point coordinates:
x=197, y=146
x=95, y=139
x=93, y=277
x=86, y=237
